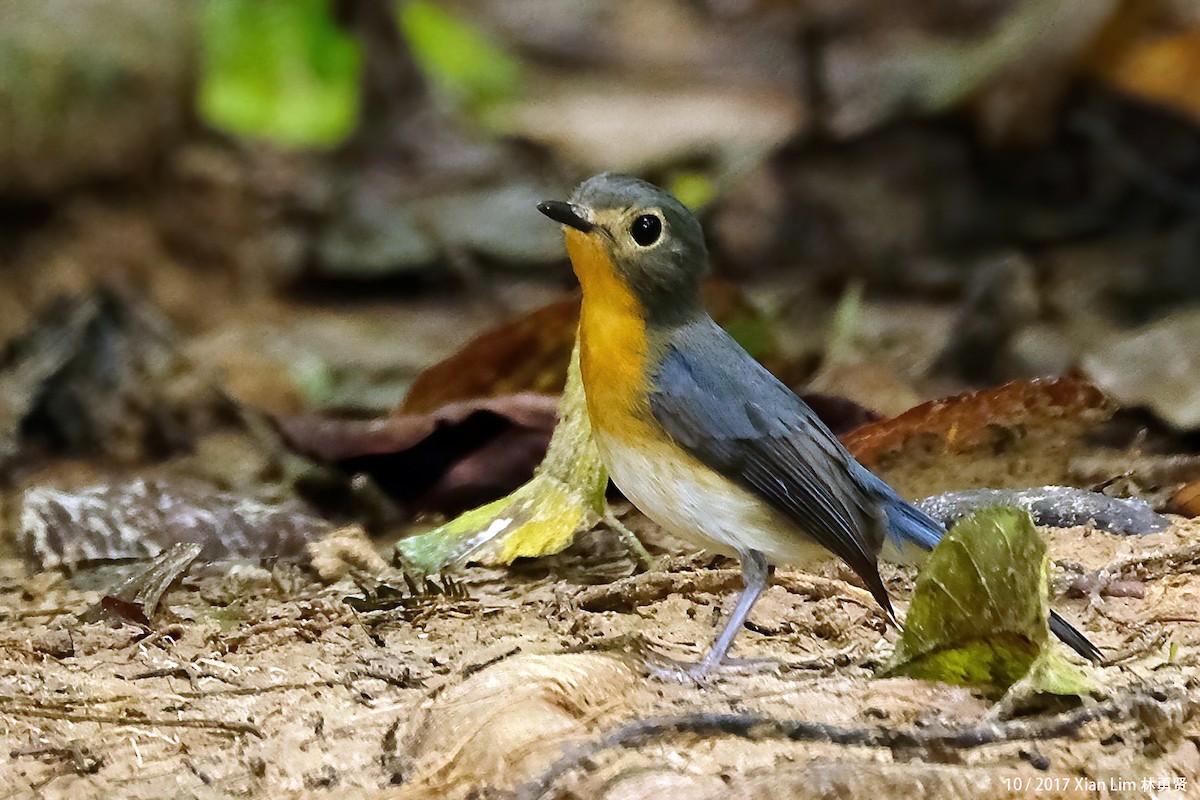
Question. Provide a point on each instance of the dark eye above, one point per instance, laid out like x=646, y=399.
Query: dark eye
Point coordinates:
x=646, y=229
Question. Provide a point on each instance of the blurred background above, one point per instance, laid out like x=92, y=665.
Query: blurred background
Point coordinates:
x=215, y=208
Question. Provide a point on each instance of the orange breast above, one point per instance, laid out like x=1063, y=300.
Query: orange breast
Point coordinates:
x=613, y=351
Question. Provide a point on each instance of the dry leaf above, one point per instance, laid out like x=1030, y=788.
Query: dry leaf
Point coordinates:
x=137, y=598
x=1020, y=434
x=631, y=128
x=1157, y=366
x=141, y=519
x=1186, y=501
x=531, y=353
x=1164, y=70
x=462, y=454
x=100, y=375
x=504, y=724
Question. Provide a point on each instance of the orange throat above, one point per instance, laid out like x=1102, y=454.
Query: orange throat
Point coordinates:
x=613, y=350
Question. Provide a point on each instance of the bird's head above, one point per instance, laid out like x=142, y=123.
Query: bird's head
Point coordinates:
x=622, y=232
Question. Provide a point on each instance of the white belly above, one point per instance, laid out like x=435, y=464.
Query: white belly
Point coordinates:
x=695, y=503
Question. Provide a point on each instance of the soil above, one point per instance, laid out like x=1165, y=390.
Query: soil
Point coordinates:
x=262, y=681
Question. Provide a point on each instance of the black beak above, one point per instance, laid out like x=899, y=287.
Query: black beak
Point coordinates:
x=565, y=214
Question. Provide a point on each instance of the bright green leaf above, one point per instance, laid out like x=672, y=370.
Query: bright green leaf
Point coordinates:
x=979, y=609
x=456, y=57
x=694, y=189
x=280, y=70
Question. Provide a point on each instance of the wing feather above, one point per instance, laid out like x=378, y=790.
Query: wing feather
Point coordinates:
x=728, y=412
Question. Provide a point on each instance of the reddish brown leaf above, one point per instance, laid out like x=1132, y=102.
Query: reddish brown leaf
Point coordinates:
x=530, y=354
x=458, y=456
x=1186, y=502
x=1019, y=434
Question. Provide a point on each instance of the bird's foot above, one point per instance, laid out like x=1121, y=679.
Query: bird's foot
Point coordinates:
x=671, y=670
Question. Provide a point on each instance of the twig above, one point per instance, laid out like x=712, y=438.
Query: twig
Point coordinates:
x=630, y=539
x=1145, y=566
x=243, y=691
x=758, y=727
x=650, y=587
x=114, y=719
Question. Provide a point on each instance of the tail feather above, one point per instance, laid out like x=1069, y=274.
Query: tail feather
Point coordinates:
x=1072, y=637
x=912, y=532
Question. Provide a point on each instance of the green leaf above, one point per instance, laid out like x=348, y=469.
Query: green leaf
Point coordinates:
x=979, y=610
x=459, y=60
x=694, y=189
x=280, y=70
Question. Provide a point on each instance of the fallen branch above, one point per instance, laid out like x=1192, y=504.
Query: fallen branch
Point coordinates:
x=629, y=593
x=1147, y=707
x=142, y=722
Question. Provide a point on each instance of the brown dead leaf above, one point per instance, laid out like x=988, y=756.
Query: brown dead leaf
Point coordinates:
x=865, y=384
x=100, y=374
x=127, y=610
x=531, y=353
x=461, y=455
x=1164, y=70
x=839, y=414
x=633, y=127
x=1156, y=366
x=1186, y=501
x=1020, y=434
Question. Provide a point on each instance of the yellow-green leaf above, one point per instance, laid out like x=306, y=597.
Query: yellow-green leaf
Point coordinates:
x=459, y=60
x=979, y=610
x=564, y=497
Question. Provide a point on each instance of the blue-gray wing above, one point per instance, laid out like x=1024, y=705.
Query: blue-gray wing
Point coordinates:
x=727, y=411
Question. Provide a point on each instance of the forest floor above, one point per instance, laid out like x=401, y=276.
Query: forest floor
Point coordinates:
x=265, y=682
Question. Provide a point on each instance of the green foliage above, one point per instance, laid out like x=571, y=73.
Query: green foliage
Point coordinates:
x=979, y=610
x=280, y=70
x=694, y=189
x=456, y=58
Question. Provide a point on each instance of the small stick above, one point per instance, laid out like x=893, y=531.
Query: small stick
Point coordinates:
x=114, y=719
x=759, y=727
x=1146, y=566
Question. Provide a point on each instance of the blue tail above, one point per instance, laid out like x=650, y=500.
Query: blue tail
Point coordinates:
x=911, y=533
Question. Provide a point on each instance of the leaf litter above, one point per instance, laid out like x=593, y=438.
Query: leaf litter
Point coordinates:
x=387, y=695
x=234, y=645
x=257, y=679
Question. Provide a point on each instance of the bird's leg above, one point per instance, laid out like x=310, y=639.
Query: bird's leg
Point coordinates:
x=756, y=573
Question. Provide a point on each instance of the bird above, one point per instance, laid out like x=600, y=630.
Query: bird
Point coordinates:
x=698, y=435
